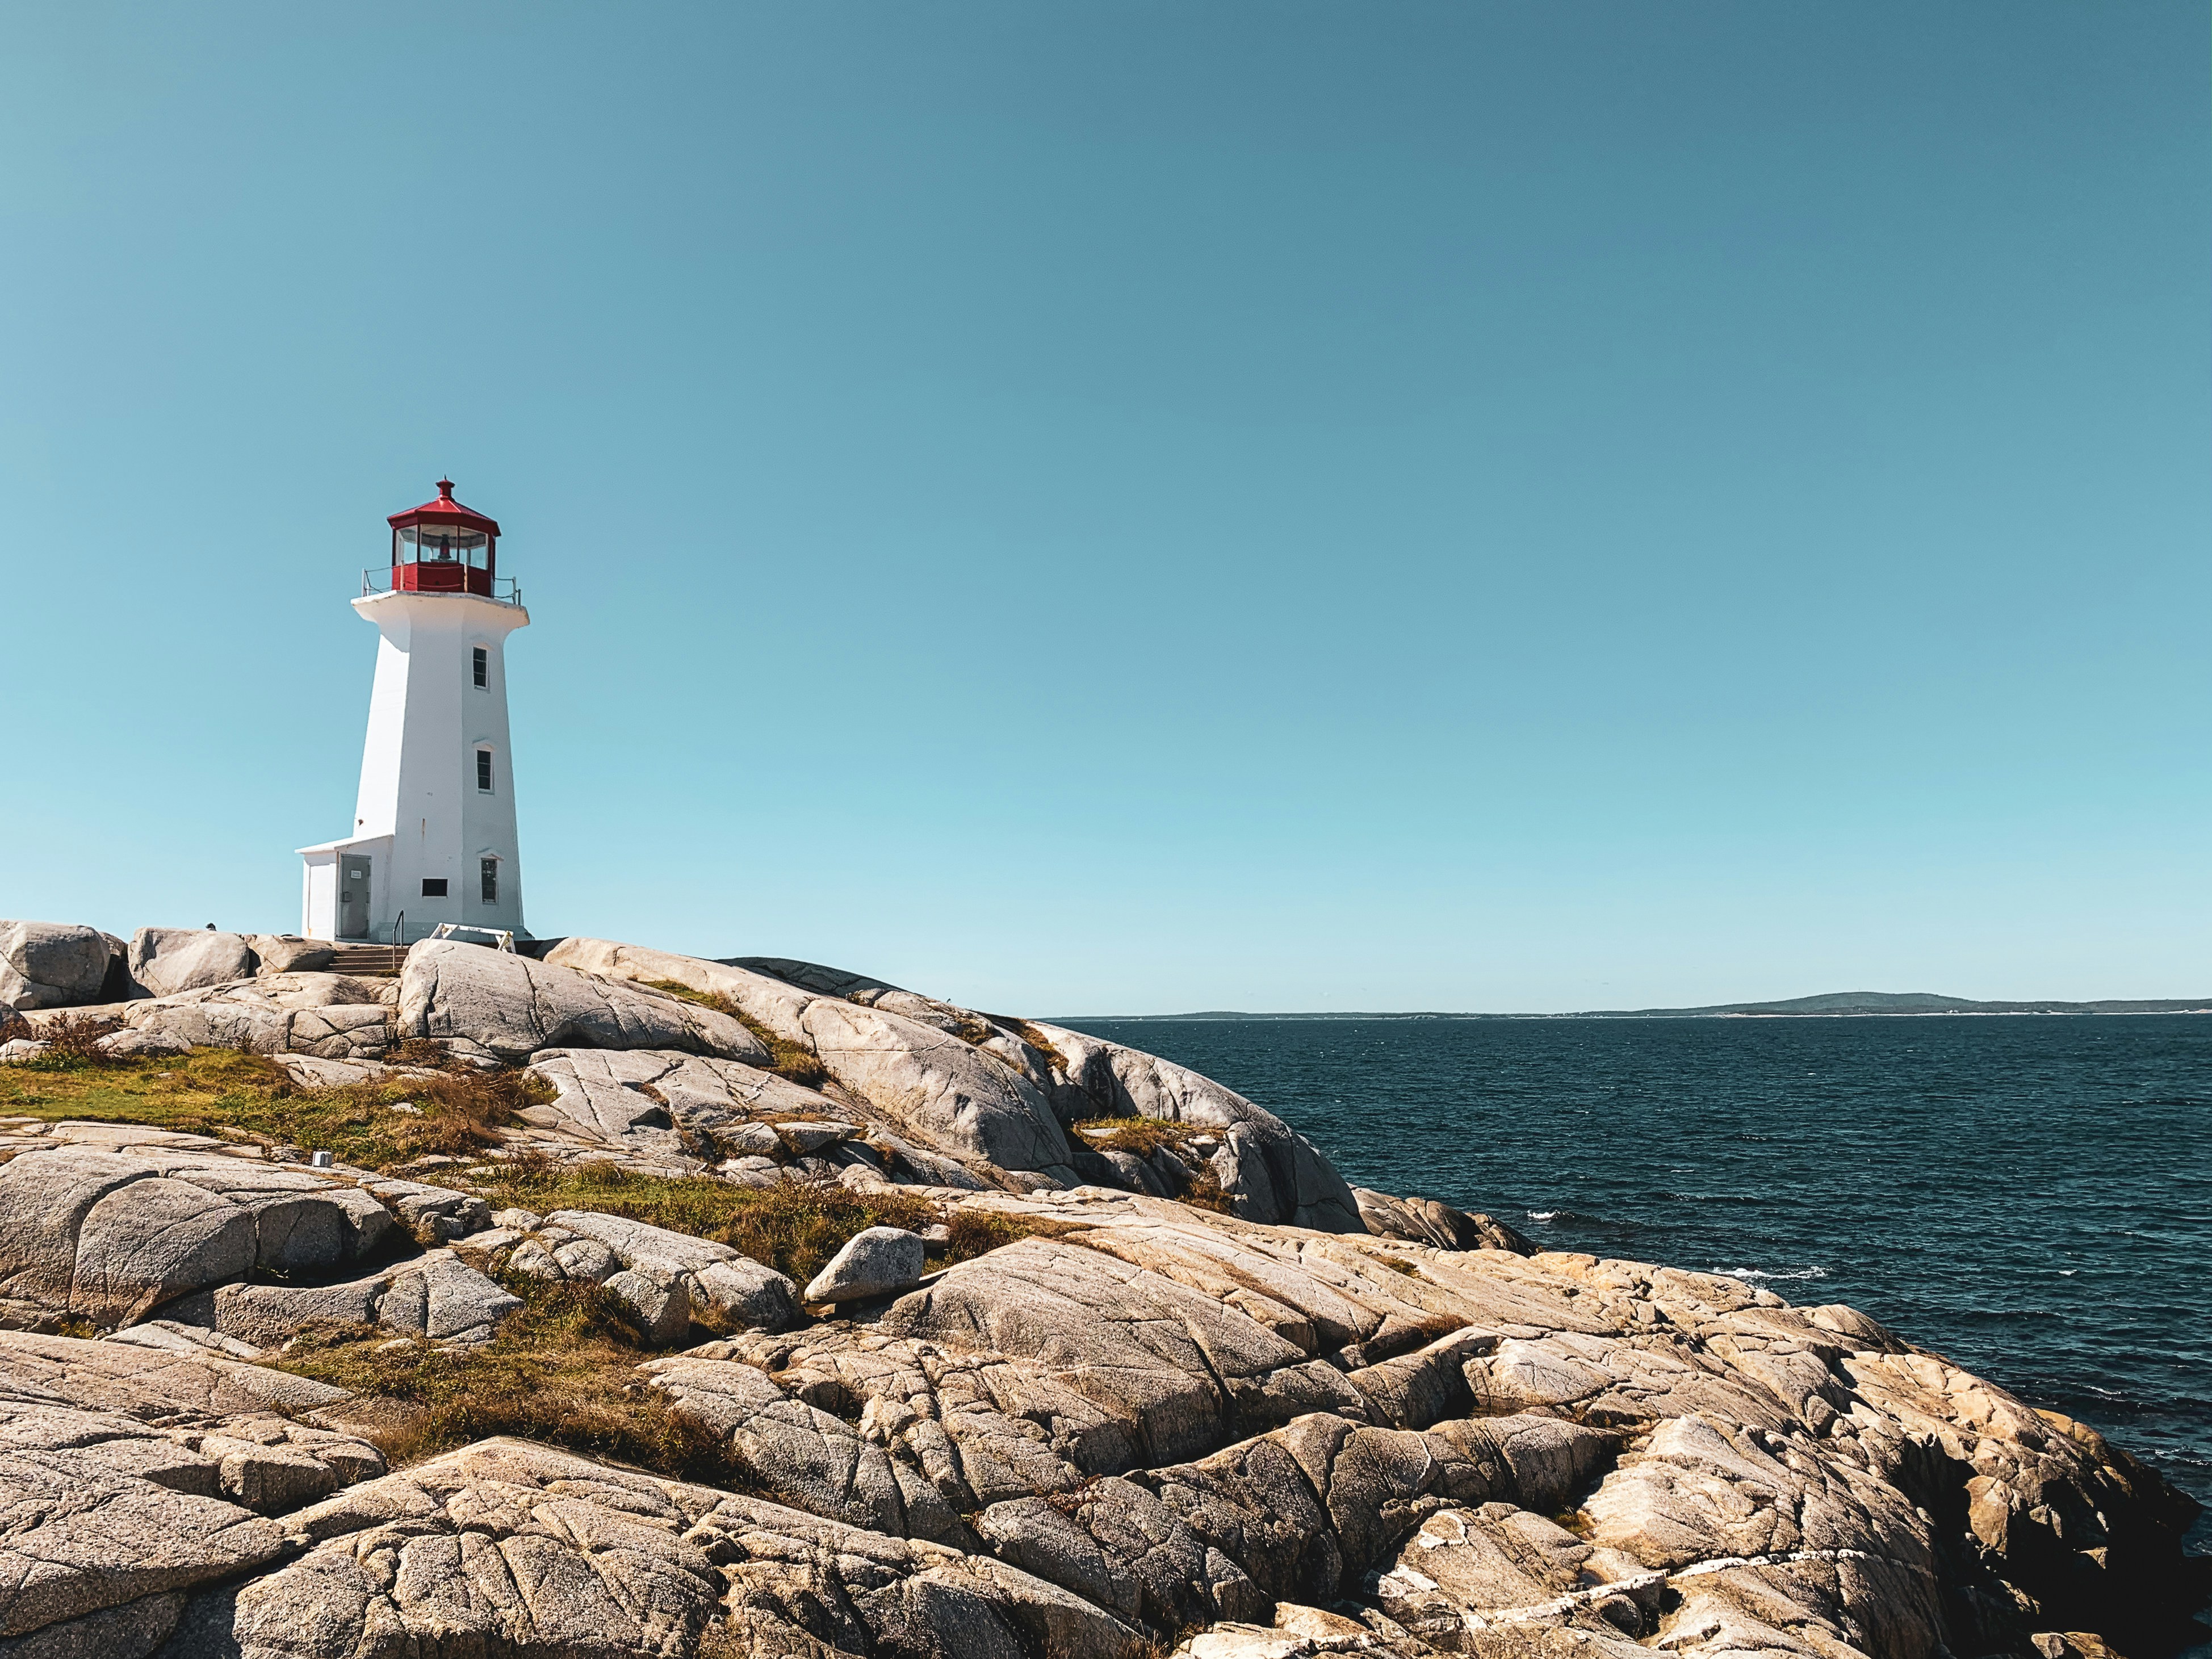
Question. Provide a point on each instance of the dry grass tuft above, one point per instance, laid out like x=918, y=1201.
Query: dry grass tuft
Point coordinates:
x=722, y=1640
x=1038, y=1040
x=683, y=992
x=1205, y=1192
x=972, y=1030
x=1141, y=1135
x=977, y=1232
x=563, y=1371
x=790, y=1061
x=786, y=1059
x=70, y=1041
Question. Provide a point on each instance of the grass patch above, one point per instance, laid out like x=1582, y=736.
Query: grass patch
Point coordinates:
x=791, y=1060
x=683, y=992
x=242, y=1097
x=1038, y=1040
x=1141, y=1135
x=793, y=1228
x=973, y=1031
x=563, y=1371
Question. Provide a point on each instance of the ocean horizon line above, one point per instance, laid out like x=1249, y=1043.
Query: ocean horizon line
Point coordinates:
x=1848, y=1005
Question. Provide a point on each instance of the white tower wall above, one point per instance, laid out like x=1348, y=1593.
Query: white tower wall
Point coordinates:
x=421, y=816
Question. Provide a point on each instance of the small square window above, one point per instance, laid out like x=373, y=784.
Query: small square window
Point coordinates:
x=433, y=887
x=484, y=770
x=488, y=869
x=483, y=666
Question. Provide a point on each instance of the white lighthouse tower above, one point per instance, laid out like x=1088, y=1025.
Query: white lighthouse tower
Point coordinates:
x=433, y=834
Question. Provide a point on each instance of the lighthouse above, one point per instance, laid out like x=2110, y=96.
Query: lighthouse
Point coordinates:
x=432, y=837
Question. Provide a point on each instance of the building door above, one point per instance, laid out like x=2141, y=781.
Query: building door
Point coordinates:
x=353, y=896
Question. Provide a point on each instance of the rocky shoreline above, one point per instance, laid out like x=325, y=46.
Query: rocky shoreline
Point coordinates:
x=1142, y=1372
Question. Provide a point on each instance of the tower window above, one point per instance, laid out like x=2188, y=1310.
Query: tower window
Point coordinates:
x=482, y=665
x=484, y=770
x=489, y=870
x=433, y=887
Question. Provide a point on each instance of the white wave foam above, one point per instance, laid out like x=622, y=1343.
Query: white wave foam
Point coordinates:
x=1544, y=1215
x=1760, y=1272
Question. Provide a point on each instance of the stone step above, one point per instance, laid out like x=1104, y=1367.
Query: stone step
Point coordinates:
x=368, y=961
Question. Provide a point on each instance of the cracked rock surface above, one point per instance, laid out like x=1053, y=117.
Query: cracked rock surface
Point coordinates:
x=1157, y=1421
x=1294, y=1421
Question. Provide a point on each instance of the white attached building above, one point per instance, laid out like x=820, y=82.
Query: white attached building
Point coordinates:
x=433, y=834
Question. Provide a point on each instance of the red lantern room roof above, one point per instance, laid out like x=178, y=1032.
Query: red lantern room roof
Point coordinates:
x=444, y=511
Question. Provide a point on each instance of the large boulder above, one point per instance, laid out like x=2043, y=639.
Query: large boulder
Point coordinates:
x=102, y=1512
x=808, y=1456
x=108, y=1237
x=1305, y=1511
x=676, y=1111
x=53, y=965
x=639, y=1099
x=874, y=1261
x=1178, y=1364
x=962, y=1099
x=167, y=960
x=435, y=1296
x=509, y=1007
x=288, y=953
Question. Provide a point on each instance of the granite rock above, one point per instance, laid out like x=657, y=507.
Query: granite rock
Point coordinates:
x=672, y=1280
x=874, y=1261
x=110, y=1235
x=288, y=953
x=1324, y=1421
x=1427, y=1221
x=328, y=1016
x=166, y=960
x=130, y=1475
x=435, y=1296
x=51, y=964
x=509, y=1007
x=505, y=1546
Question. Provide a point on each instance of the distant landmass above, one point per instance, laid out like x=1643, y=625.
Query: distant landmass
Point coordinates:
x=1833, y=1005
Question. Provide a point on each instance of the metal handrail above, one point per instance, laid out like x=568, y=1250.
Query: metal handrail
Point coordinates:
x=503, y=939
x=370, y=586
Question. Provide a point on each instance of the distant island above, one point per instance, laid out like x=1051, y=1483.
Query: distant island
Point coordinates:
x=1833, y=1005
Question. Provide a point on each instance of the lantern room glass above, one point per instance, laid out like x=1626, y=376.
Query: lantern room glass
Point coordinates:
x=441, y=544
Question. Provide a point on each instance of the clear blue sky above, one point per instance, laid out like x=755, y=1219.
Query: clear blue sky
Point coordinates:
x=1130, y=507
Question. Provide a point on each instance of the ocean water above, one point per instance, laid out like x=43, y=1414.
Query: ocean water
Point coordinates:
x=2031, y=1197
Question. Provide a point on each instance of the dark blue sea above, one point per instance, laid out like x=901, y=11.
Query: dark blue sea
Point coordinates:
x=2029, y=1196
